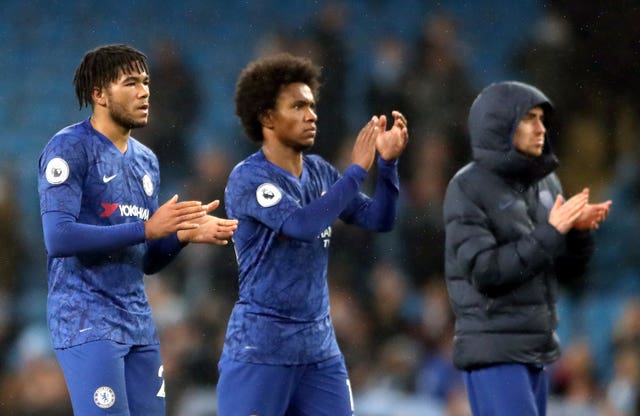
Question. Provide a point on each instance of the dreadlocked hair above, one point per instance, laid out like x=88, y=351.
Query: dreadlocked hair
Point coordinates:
x=103, y=65
x=260, y=83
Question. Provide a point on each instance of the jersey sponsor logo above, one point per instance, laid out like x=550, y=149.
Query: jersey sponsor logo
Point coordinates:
x=268, y=195
x=108, y=209
x=147, y=185
x=57, y=171
x=107, y=179
x=104, y=397
x=125, y=211
x=134, y=211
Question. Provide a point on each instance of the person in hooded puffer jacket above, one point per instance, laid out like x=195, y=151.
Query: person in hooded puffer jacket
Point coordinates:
x=511, y=237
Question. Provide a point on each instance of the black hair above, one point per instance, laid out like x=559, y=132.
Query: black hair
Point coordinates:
x=103, y=65
x=260, y=83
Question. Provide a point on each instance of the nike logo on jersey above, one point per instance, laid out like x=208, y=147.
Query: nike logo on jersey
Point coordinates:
x=107, y=179
x=86, y=329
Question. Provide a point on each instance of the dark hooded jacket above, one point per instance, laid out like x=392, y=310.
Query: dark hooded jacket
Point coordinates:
x=503, y=259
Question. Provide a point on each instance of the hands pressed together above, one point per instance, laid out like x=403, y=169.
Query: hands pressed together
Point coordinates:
x=374, y=136
x=211, y=229
x=578, y=213
x=192, y=222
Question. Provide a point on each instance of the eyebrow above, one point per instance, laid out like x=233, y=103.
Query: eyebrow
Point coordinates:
x=532, y=113
x=304, y=101
x=132, y=77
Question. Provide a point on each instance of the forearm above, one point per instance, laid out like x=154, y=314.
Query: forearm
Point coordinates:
x=508, y=265
x=379, y=213
x=64, y=237
x=161, y=252
x=309, y=221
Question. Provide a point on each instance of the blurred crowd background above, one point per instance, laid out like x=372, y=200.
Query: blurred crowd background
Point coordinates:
x=389, y=303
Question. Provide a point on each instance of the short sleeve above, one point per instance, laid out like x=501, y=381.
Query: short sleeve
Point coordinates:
x=62, y=168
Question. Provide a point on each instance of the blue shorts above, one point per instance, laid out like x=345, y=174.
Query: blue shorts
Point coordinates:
x=108, y=378
x=320, y=389
x=508, y=389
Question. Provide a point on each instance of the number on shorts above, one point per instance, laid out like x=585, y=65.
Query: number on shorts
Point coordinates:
x=161, y=391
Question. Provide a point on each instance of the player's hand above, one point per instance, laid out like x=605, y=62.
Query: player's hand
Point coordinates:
x=172, y=217
x=564, y=214
x=364, y=149
x=211, y=229
x=391, y=143
x=592, y=215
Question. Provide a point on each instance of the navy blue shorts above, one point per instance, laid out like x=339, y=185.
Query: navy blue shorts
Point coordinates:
x=108, y=378
x=507, y=390
x=320, y=389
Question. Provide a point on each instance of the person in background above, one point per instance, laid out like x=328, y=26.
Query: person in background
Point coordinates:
x=511, y=237
x=280, y=355
x=103, y=230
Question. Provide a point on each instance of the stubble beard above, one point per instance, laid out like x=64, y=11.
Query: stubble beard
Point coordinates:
x=123, y=119
x=121, y=116
x=304, y=147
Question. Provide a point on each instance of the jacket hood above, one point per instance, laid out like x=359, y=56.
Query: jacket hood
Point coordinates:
x=493, y=119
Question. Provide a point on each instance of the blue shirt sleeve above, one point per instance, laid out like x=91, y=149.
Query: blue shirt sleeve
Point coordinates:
x=161, y=252
x=64, y=237
x=380, y=212
x=309, y=221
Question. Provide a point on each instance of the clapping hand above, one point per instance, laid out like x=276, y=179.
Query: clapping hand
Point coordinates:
x=211, y=229
x=578, y=213
x=592, y=215
x=364, y=149
x=564, y=214
x=391, y=143
x=172, y=217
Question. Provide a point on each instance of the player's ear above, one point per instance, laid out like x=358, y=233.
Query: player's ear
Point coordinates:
x=266, y=119
x=99, y=96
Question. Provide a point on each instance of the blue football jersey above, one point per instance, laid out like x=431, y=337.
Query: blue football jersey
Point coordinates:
x=282, y=314
x=99, y=295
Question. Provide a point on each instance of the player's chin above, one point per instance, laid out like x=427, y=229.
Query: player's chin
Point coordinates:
x=306, y=145
x=535, y=152
x=136, y=124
